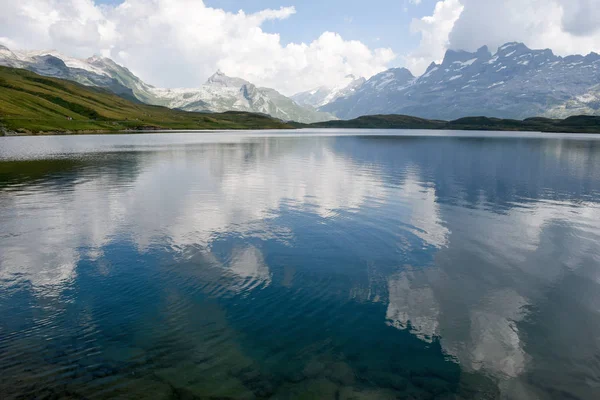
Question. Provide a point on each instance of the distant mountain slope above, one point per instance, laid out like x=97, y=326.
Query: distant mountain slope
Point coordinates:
x=49, y=64
x=220, y=93
x=324, y=95
x=573, y=124
x=515, y=82
x=33, y=103
x=377, y=92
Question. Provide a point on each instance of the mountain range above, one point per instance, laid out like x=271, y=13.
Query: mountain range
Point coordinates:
x=514, y=82
x=33, y=104
x=219, y=94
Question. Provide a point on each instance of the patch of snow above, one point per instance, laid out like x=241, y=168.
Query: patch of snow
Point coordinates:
x=501, y=68
x=464, y=64
x=430, y=72
x=496, y=84
x=523, y=62
x=511, y=53
x=383, y=83
x=506, y=46
x=587, y=98
x=455, y=77
x=493, y=60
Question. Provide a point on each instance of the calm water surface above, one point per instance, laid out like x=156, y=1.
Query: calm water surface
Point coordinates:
x=284, y=266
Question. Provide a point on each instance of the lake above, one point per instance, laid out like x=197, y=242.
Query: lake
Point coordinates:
x=311, y=264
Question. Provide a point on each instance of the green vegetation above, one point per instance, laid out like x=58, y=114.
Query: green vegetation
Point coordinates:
x=30, y=103
x=577, y=124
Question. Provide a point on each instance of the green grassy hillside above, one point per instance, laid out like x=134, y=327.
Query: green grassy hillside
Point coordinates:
x=30, y=103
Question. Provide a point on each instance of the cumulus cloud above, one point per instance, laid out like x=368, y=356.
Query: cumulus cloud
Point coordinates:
x=180, y=43
x=434, y=31
x=565, y=26
x=580, y=17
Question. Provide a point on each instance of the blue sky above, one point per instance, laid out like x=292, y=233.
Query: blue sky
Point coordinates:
x=384, y=24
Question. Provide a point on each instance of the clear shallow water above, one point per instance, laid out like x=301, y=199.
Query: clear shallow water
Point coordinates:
x=273, y=265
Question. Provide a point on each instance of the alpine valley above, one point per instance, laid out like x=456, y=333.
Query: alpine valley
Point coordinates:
x=515, y=83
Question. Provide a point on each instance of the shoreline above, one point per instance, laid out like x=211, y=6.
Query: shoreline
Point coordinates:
x=12, y=133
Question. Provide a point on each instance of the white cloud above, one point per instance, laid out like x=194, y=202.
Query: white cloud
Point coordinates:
x=434, y=31
x=180, y=43
x=221, y=194
x=581, y=17
x=565, y=26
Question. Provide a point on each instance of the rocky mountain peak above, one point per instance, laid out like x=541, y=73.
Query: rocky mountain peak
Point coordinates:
x=98, y=59
x=394, y=76
x=519, y=50
x=592, y=57
x=462, y=56
x=511, y=47
x=221, y=80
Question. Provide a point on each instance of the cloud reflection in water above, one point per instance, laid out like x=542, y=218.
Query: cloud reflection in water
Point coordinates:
x=464, y=242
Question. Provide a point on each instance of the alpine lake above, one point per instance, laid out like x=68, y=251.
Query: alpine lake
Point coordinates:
x=314, y=264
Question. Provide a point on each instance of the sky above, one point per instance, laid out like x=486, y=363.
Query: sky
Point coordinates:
x=290, y=45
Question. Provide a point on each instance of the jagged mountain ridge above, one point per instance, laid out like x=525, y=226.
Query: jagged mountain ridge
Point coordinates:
x=220, y=93
x=515, y=82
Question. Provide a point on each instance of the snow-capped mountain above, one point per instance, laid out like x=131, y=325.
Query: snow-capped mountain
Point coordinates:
x=220, y=93
x=224, y=93
x=515, y=82
x=375, y=91
x=325, y=94
x=50, y=63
